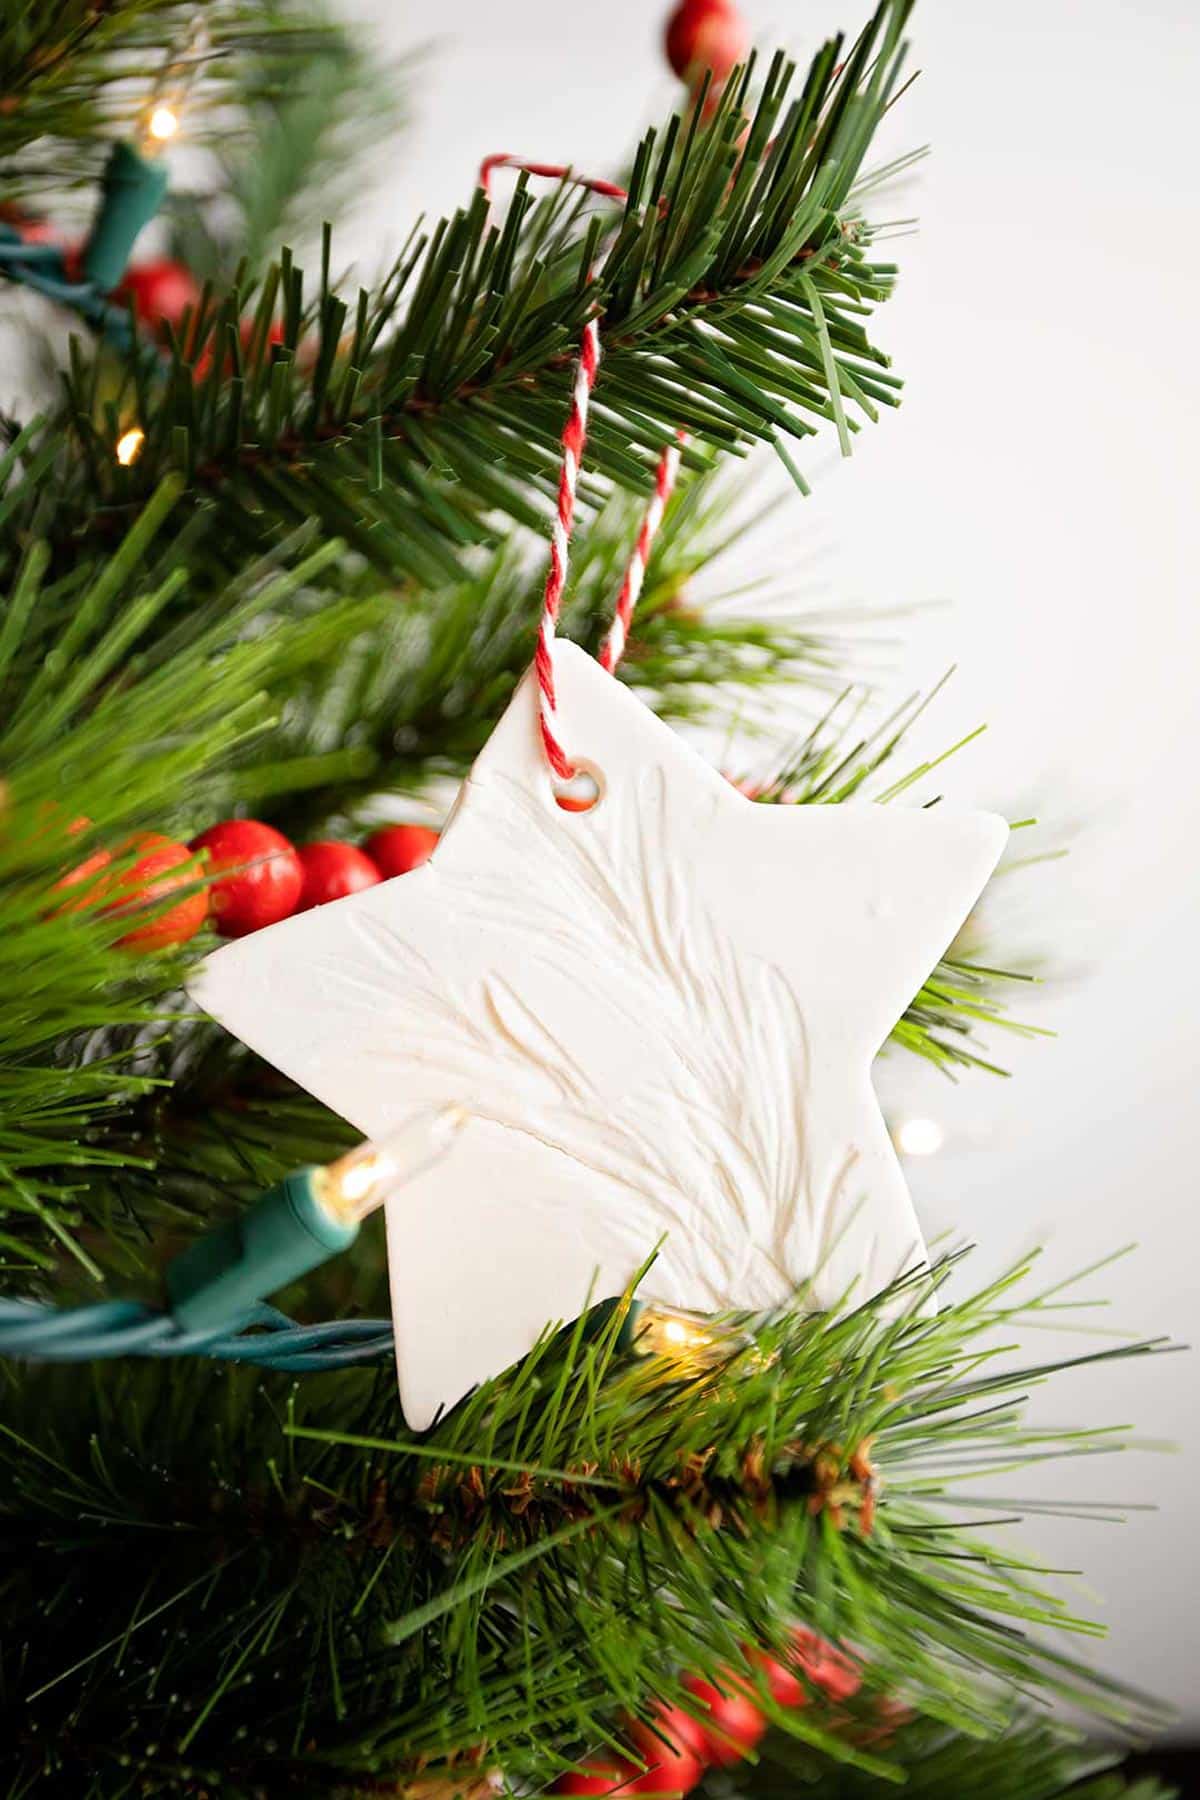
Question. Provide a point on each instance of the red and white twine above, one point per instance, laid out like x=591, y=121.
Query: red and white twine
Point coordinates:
x=574, y=438
x=664, y=485
x=553, y=171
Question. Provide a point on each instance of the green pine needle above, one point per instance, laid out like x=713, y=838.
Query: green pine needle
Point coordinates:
x=256, y=1566
x=731, y=289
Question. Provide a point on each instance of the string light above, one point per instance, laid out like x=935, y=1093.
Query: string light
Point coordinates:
x=918, y=1137
x=684, y=1337
x=361, y=1179
x=359, y=1182
x=161, y=120
x=134, y=183
x=217, y=1287
x=129, y=445
x=163, y=123
x=312, y=1214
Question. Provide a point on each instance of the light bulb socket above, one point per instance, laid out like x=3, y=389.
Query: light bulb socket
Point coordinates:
x=218, y=1281
x=132, y=189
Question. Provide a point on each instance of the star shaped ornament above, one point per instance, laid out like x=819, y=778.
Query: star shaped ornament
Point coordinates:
x=661, y=1014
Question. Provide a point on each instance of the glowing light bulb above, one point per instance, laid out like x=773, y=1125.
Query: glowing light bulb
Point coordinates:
x=359, y=1182
x=163, y=123
x=129, y=445
x=685, y=1337
x=361, y=1177
x=919, y=1137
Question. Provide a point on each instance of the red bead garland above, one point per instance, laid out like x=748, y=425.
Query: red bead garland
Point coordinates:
x=733, y=1724
x=82, y=873
x=611, y=1776
x=247, y=335
x=674, y=1749
x=161, y=291
x=331, y=871
x=267, y=879
x=824, y=1665
x=783, y=1685
x=398, y=848
x=675, y=1746
x=164, y=866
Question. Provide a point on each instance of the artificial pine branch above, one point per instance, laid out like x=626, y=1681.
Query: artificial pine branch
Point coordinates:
x=66, y=92
x=108, y=730
x=274, y=1590
x=419, y=697
x=301, y=147
x=412, y=419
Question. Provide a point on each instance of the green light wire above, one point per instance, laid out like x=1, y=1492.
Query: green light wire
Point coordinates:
x=32, y=1332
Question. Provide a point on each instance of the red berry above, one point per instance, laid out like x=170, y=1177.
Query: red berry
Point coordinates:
x=91, y=865
x=679, y=1729
x=598, y=1778
x=163, y=866
x=733, y=1725
x=398, y=848
x=248, y=331
x=784, y=1688
x=38, y=231
x=333, y=870
x=246, y=335
x=266, y=887
x=706, y=35
x=825, y=1666
x=670, y=1778
x=674, y=1750
x=161, y=291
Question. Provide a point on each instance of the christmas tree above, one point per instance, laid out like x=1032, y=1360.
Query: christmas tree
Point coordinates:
x=274, y=557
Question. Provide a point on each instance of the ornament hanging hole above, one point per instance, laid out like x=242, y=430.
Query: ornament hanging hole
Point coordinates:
x=583, y=792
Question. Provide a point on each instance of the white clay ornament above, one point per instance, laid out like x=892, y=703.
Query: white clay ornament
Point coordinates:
x=661, y=1014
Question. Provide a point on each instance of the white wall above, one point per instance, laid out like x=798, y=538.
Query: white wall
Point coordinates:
x=1040, y=475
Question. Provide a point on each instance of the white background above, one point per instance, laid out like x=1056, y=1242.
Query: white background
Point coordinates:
x=1040, y=476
